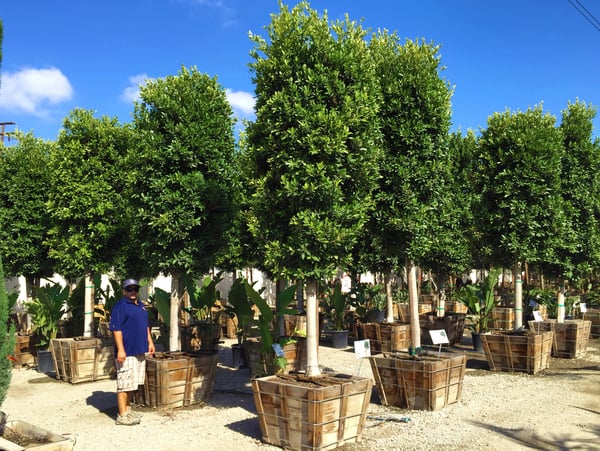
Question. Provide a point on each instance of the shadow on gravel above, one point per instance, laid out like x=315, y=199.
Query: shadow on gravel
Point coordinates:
x=248, y=427
x=525, y=437
x=104, y=401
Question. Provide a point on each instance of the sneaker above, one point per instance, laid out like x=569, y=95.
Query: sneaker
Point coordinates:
x=127, y=420
x=133, y=414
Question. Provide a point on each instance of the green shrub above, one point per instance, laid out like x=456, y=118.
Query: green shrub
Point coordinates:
x=7, y=340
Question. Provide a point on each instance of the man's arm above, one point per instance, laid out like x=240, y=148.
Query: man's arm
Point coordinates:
x=118, y=336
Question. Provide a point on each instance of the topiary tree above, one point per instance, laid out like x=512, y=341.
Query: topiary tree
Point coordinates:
x=313, y=149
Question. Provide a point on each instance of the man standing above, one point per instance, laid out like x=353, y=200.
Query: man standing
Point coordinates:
x=129, y=324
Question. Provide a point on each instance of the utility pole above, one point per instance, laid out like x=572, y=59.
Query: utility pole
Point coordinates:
x=3, y=132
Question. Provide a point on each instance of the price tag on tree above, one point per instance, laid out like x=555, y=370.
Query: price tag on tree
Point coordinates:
x=582, y=307
x=362, y=348
x=537, y=315
x=438, y=337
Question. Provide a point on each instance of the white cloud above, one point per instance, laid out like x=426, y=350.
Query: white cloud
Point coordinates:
x=132, y=92
x=33, y=90
x=242, y=102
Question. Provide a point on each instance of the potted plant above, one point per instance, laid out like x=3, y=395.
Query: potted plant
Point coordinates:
x=479, y=300
x=46, y=310
x=239, y=308
x=334, y=304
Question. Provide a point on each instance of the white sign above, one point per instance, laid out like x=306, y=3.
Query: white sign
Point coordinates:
x=582, y=307
x=362, y=348
x=438, y=336
x=537, y=315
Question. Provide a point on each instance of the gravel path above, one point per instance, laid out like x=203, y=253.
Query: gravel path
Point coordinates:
x=557, y=409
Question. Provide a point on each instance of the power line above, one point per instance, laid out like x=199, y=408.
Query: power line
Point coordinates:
x=585, y=13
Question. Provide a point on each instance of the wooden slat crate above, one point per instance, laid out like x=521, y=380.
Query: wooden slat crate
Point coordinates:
x=228, y=325
x=502, y=318
x=452, y=324
x=385, y=337
x=455, y=307
x=319, y=413
x=529, y=352
x=25, y=349
x=425, y=383
x=177, y=379
x=593, y=315
x=570, y=338
x=82, y=359
x=293, y=324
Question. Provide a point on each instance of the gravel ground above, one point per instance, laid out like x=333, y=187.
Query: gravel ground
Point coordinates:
x=557, y=409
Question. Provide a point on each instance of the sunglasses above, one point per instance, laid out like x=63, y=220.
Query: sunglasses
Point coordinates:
x=132, y=289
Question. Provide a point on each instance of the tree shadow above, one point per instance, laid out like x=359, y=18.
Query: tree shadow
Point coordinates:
x=556, y=442
x=105, y=402
x=248, y=427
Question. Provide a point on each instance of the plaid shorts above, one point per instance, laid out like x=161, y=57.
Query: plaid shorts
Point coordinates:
x=131, y=373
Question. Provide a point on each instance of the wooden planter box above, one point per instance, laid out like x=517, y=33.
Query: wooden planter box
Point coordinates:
x=455, y=307
x=293, y=324
x=425, y=383
x=529, y=352
x=37, y=439
x=203, y=337
x=502, y=318
x=177, y=379
x=82, y=360
x=569, y=339
x=311, y=413
x=594, y=317
x=454, y=325
x=228, y=325
x=25, y=349
x=260, y=366
x=385, y=337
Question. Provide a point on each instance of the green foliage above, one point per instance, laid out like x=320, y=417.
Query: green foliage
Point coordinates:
x=162, y=301
x=479, y=300
x=7, y=336
x=521, y=213
x=312, y=152
x=204, y=297
x=183, y=183
x=89, y=213
x=239, y=306
x=334, y=303
x=24, y=219
x=46, y=309
x=367, y=299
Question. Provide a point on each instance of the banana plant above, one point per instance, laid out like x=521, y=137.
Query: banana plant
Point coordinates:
x=46, y=310
x=479, y=300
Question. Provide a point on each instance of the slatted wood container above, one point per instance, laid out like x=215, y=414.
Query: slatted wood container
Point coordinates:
x=177, y=379
x=528, y=352
x=315, y=413
x=259, y=366
x=385, y=337
x=293, y=323
x=452, y=324
x=402, y=311
x=593, y=315
x=203, y=337
x=502, y=318
x=569, y=339
x=424, y=383
x=455, y=307
x=82, y=359
x=25, y=349
x=228, y=325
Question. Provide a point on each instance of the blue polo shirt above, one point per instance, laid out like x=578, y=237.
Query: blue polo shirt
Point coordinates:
x=132, y=321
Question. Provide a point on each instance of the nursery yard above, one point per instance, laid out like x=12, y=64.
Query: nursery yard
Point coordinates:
x=557, y=409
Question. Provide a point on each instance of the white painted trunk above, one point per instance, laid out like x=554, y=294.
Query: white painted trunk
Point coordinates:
x=88, y=307
x=518, y=297
x=388, y=292
x=560, y=311
x=174, y=314
x=413, y=302
x=312, y=330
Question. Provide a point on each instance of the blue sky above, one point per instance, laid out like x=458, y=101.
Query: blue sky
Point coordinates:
x=63, y=54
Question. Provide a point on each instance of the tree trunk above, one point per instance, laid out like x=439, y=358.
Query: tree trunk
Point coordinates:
x=518, y=297
x=176, y=294
x=88, y=307
x=312, y=329
x=560, y=310
x=388, y=292
x=413, y=299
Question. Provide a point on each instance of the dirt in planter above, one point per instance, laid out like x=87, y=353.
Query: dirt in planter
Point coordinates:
x=323, y=380
x=25, y=441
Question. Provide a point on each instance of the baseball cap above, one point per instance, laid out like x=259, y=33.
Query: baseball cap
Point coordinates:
x=130, y=282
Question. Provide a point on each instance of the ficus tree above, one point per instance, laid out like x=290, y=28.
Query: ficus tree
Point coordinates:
x=24, y=219
x=521, y=211
x=182, y=178
x=89, y=213
x=313, y=149
x=414, y=220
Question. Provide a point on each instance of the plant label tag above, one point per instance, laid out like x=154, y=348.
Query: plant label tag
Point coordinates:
x=582, y=307
x=278, y=350
x=537, y=315
x=438, y=336
x=362, y=348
